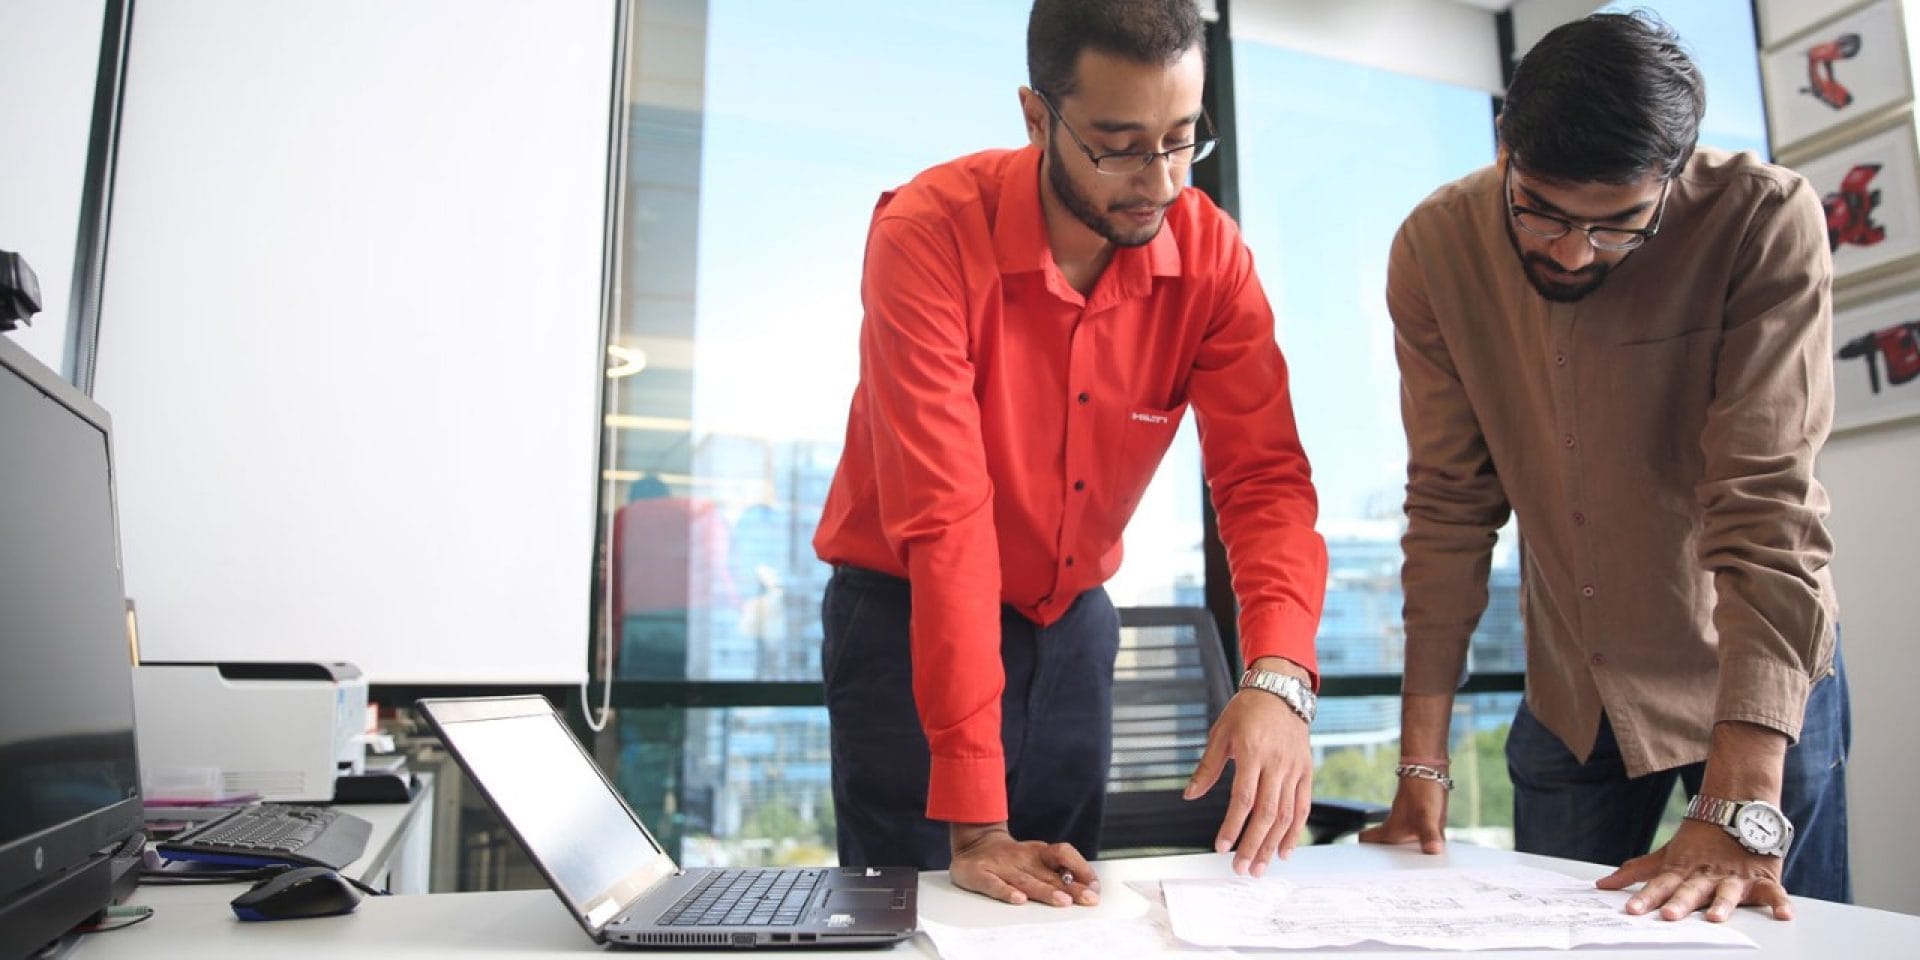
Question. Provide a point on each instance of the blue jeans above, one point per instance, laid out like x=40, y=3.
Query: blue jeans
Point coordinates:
x=1056, y=723
x=1592, y=811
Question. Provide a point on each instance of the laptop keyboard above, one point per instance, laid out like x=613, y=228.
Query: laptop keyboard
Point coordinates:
x=745, y=898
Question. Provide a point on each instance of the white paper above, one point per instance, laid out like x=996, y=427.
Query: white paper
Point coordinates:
x=1444, y=909
x=1123, y=938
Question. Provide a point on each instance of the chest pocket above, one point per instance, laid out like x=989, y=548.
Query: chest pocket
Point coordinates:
x=1145, y=435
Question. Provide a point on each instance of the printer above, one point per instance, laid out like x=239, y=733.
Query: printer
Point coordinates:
x=281, y=730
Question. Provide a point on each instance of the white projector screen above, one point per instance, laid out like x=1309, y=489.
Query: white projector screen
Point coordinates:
x=350, y=331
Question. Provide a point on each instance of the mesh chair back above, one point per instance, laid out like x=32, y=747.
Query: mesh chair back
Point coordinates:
x=1170, y=682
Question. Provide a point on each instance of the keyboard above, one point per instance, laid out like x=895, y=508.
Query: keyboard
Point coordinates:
x=745, y=898
x=274, y=833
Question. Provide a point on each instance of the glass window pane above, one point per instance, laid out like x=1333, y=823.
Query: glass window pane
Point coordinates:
x=1332, y=157
x=736, y=343
x=760, y=137
x=1357, y=743
x=745, y=786
x=1719, y=35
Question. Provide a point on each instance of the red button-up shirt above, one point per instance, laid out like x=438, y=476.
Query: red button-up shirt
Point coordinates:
x=1005, y=427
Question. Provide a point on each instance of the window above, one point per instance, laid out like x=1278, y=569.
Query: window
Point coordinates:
x=761, y=136
x=1719, y=35
x=1332, y=157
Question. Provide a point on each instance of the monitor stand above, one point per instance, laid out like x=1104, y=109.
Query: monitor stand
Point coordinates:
x=127, y=863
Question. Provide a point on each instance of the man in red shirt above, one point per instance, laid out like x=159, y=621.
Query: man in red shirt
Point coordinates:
x=1037, y=322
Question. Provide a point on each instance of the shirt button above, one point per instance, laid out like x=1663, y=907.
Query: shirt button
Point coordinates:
x=1079, y=485
x=1069, y=561
x=1598, y=660
x=1579, y=519
x=1587, y=591
x=1084, y=397
x=1567, y=441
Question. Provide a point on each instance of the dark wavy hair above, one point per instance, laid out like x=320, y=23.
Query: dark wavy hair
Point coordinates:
x=1609, y=99
x=1144, y=31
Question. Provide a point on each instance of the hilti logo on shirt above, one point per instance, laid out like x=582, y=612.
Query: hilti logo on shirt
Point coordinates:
x=1150, y=417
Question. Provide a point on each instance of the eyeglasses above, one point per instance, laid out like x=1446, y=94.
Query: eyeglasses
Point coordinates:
x=1547, y=226
x=1134, y=161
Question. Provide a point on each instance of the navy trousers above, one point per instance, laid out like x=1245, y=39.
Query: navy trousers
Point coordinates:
x=1056, y=723
x=1595, y=812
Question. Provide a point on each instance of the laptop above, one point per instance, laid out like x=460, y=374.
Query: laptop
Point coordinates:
x=622, y=887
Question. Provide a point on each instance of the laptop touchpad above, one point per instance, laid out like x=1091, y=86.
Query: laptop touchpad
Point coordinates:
x=849, y=900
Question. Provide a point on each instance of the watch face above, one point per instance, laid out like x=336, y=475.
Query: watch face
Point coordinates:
x=1760, y=827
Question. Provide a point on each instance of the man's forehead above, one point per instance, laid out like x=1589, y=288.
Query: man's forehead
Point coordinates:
x=1535, y=180
x=1107, y=82
x=1586, y=197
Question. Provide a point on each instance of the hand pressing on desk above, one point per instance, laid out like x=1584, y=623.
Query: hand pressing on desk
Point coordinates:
x=988, y=860
x=1701, y=868
x=1419, y=815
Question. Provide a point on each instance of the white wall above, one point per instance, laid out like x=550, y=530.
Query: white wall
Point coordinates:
x=1876, y=527
x=1434, y=39
x=350, y=332
x=49, y=54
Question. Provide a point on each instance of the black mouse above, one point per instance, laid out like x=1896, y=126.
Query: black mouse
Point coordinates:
x=300, y=892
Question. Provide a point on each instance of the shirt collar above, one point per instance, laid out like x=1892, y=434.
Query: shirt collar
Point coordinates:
x=1020, y=235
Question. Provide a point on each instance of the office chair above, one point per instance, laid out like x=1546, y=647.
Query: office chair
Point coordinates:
x=1170, y=682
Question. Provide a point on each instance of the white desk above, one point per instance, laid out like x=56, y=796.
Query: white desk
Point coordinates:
x=532, y=923
x=399, y=849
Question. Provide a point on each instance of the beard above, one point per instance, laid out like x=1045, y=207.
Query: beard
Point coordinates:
x=1082, y=208
x=1536, y=267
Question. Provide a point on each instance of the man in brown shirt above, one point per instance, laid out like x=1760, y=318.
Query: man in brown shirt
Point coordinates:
x=1627, y=342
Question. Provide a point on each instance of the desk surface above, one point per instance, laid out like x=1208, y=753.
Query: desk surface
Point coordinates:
x=532, y=923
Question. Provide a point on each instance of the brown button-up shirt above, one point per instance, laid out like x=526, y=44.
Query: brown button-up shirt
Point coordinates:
x=1656, y=440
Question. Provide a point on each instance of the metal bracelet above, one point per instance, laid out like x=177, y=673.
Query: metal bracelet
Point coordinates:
x=1420, y=771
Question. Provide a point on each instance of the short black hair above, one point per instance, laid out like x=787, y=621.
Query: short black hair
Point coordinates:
x=1608, y=99
x=1144, y=31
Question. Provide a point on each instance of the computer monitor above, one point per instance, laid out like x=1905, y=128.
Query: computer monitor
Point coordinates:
x=69, y=778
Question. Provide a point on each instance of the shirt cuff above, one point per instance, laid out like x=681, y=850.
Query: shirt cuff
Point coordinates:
x=1281, y=631
x=1764, y=692
x=967, y=789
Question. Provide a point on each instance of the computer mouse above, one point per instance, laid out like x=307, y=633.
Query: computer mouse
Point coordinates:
x=300, y=892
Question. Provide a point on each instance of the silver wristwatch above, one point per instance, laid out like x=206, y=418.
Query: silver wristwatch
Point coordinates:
x=1289, y=688
x=1759, y=826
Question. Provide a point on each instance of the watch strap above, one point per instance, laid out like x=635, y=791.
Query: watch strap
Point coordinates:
x=1712, y=810
x=1290, y=689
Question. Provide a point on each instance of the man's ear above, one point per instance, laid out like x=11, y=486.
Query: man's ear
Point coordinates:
x=1034, y=113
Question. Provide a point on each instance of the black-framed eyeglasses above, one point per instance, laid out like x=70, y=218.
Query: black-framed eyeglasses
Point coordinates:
x=1548, y=226
x=1134, y=161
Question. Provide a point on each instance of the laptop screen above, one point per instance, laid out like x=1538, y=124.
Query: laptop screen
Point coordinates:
x=549, y=792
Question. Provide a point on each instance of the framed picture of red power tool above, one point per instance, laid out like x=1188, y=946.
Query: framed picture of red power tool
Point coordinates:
x=1876, y=356
x=1842, y=71
x=1871, y=191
